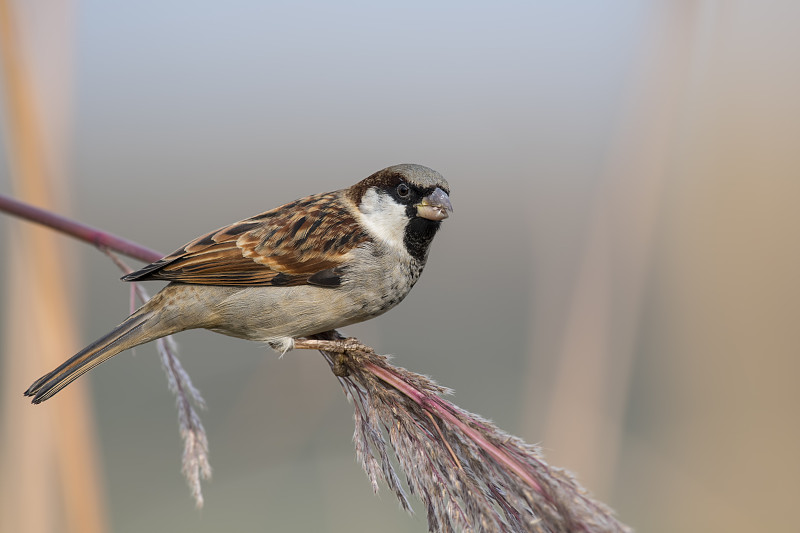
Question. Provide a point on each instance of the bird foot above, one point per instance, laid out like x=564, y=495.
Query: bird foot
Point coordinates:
x=341, y=365
x=345, y=350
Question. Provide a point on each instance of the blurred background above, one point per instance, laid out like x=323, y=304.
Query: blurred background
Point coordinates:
x=618, y=283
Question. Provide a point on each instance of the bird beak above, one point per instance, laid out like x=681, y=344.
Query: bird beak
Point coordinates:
x=435, y=206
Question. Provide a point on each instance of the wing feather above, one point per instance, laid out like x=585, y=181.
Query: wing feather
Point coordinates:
x=284, y=246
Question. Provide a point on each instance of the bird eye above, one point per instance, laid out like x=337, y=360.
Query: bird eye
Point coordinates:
x=403, y=191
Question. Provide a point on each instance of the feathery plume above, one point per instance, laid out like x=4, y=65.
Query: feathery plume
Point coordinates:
x=195, y=464
x=469, y=475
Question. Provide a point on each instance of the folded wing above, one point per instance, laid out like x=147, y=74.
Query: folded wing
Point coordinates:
x=299, y=243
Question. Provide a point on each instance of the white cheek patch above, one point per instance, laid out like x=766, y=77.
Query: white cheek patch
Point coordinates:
x=383, y=217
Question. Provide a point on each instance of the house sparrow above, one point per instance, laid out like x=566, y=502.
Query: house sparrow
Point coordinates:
x=312, y=265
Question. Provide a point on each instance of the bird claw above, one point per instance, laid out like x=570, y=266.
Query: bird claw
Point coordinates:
x=343, y=361
x=341, y=365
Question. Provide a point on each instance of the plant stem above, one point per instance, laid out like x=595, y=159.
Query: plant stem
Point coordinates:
x=99, y=238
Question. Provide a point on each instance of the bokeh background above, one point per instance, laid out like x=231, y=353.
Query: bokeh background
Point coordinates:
x=619, y=281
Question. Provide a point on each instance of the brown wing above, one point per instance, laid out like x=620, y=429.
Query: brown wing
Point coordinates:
x=282, y=247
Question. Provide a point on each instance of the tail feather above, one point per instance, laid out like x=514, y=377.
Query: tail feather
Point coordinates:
x=127, y=335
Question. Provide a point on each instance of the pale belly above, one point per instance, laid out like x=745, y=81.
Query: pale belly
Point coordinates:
x=278, y=314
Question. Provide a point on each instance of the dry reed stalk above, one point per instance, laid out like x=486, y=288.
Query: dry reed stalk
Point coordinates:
x=40, y=324
x=586, y=417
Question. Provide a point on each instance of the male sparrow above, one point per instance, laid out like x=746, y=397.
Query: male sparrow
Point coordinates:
x=312, y=265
